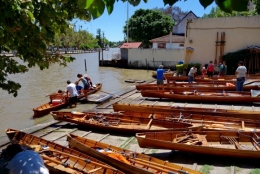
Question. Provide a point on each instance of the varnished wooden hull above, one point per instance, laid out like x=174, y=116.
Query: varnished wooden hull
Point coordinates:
x=89, y=147
x=254, y=115
x=208, y=122
x=47, y=108
x=215, y=143
x=187, y=87
x=234, y=97
x=120, y=123
x=76, y=161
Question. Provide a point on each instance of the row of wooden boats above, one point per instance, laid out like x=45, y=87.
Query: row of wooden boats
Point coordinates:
x=205, y=86
x=216, y=131
x=205, y=96
x=89, y=156
x=59, y=101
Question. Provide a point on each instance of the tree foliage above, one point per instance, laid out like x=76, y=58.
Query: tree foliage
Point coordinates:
x=97, y=7
x=145, y=25
x=29, y=27
x=175, y=12
x=217, y=12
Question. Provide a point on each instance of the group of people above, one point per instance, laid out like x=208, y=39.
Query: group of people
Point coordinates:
x=208, y=70
x=74, y=89
x=241, y=74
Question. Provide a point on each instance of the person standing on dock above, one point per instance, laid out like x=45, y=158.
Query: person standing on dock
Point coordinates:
x=223, y=69
x=241, y=73
x=160, y=76
x=72, y=93
x=86, y=85
x=210, y=69
x=191, y=74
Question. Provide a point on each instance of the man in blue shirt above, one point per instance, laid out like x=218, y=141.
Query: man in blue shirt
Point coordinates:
x=160, y=76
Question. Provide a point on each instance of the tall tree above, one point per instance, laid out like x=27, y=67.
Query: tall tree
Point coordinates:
x=175, y=12
x=145, y=25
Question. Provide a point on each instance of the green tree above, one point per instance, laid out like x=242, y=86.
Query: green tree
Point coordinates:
x=29, y=27
x=217, y=12
x=97, y=7
x=145, y=25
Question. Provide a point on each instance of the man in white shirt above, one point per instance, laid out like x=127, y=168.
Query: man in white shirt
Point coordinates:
x=72, y=93
x=24, y=162
x=191, y=74
x=241, y=73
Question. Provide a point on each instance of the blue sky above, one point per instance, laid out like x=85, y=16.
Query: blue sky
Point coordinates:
x=112, y=25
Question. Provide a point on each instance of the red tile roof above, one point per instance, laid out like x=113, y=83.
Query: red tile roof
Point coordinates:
x=166, y=39
x=131, y=45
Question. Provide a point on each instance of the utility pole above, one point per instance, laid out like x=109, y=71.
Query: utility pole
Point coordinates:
x=127, y=21
x=103, y=47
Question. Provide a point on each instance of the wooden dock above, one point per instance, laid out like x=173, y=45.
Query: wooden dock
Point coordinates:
x=56, y=131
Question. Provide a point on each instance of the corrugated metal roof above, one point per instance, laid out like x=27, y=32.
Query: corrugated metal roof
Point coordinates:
x=166, y=39
x=131, y=45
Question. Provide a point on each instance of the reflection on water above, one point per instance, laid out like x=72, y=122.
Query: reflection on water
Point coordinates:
x=36, y=84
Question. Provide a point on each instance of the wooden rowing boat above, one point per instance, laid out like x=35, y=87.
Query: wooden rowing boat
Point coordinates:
x=224, y=143
x=59, y=101
x=125, y=160
x=195, y=86
x=92, y=90
x=207, y=122
x=58, y=158
x=248, y=114
x=120, y=123
x=200, y=96
x=223, y=79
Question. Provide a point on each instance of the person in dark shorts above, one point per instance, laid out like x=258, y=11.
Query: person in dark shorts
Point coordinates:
x=72, y=93
x=86, y=85
x=160, y=72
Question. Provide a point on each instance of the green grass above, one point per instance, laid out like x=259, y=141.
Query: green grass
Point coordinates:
x=255, y=171
x=206, y=169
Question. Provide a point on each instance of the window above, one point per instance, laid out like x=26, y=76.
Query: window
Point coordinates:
x=161, y=45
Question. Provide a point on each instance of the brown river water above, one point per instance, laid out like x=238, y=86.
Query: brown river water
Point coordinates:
x=16, y=112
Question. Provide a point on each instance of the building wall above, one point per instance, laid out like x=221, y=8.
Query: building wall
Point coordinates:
x=240, y=32
x=168, y=45
x=155, y=45
x=155, y=57
x=180, y=28
x=173, y=45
